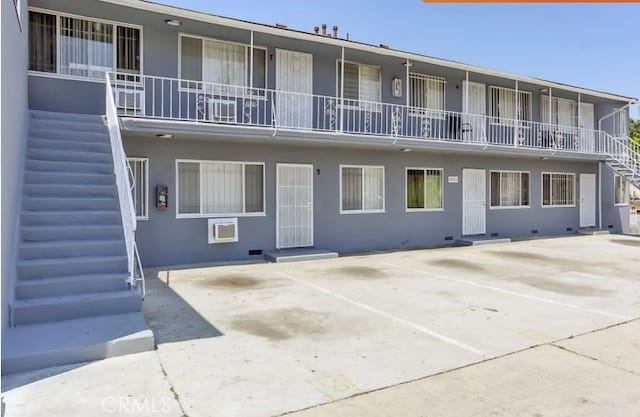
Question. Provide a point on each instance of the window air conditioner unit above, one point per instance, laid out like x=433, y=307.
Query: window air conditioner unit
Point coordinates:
x=130, y=100
x=222, y=111
x=222, y=230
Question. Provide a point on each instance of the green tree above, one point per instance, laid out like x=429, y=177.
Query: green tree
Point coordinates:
x=634, y=130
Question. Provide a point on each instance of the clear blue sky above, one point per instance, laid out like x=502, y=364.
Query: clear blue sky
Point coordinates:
x=590, y=45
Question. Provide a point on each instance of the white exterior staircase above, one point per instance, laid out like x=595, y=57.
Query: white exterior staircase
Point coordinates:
x=72, y=263
x=624, y=159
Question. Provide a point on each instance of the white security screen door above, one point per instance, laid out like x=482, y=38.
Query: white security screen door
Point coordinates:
x=294, y=218
x=587, y=200
x=474, y=108
x=586, y=125
x=294, y=85
x=474, y=202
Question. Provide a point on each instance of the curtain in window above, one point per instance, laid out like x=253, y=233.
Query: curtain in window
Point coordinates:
x=224, y=63
x=86, y=47
x=435, y=94
x=558, y=189
x=369, y=83
x=188, y=187
x=42, y=42
x=415, y=188
x=510, y=189
x=566, y=113
x=221, y=187
x=506, y=104
x=254, y=188
x=351, y=188
x=434, y=189
x=373, y=188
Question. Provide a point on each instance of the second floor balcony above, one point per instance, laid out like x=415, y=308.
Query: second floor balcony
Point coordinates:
x=224, y=108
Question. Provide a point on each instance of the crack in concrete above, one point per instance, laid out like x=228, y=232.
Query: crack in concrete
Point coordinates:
x=176, y=396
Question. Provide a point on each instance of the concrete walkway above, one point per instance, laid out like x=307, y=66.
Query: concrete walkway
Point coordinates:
x=534, y=328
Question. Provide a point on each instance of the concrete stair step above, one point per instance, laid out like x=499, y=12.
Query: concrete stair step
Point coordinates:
x=73, y=285
x=45, y=345
x=68, y=156
x=71, y=145
x=66, y=190
x=75, y=125
x=67, y=307
x=69, y=135
x=38, y=177
x=80, y=232
x=50, y=115
x=28, y=269
x=69, y=204
x=70, y=248
x=69, y=166
x=51, y=218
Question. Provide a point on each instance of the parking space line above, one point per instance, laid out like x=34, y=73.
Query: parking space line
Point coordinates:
x=514, y=293
x=408, y=323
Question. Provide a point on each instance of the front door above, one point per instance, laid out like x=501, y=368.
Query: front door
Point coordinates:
x=587, y=200
x=294, y=89
x=474, y=202
x=586, y=123
x=474, y=108
x=294, y=218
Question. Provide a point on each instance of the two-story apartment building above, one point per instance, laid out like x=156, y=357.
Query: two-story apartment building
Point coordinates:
x=244, y=138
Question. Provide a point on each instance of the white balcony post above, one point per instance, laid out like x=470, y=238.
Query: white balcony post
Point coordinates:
x=342, y=91
x=550, y=106
x=578, y=127
x=466, y=92
x=407, y=66
x=516, y=128
x=251, y=64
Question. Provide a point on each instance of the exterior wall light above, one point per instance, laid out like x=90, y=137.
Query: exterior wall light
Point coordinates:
x=164, y=135
x=173, y=22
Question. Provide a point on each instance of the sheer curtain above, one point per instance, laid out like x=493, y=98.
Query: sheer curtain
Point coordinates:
x=86, y=47
x=373, y=189
x=188, y=187
x=221, y=187
x=224, y=63
x=351, y=188
x=42, y=42
x=415, y=188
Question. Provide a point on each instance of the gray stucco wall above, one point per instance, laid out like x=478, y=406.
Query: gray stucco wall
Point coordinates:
x=163, y=239
x=160, y=58
x=14, y=133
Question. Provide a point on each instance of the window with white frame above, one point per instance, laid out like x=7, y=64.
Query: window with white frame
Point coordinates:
x=139, y=177
x=80, y=47
x=563, y=111
x=502, y=105
x=361, y=189
x=426, y=92
x=620, y=190
x=424, y=189
x=362, y=83
x=558, y=189
x=221, y=62
x=509, y=189
x=220, y=188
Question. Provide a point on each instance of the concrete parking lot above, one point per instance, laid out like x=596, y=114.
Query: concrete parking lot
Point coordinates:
x=267, y=339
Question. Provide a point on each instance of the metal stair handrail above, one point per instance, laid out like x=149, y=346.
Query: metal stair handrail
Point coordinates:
x=127, y=208
x=625, y=152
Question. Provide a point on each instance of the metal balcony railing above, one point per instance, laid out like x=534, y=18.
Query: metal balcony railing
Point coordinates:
x=210, y=103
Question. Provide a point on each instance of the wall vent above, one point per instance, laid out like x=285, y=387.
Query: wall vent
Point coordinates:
x=534, y=231
x=448, y=238
x=610, y=226
x=495, y=234
x=255, y=251
x=569, y=229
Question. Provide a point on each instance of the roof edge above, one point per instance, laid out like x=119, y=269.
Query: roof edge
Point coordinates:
x=307, y=36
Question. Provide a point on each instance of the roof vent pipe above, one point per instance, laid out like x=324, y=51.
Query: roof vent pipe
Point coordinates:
x=324, y=29
x=335, y=31
x=316, y=29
